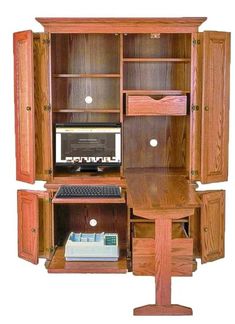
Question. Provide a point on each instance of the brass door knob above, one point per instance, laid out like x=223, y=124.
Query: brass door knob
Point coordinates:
x=206, y=108
x=28, y=108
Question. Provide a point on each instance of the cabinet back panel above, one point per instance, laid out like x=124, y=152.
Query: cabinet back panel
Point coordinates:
x=76, y=217
x=157, y=76
x=171, y=133
x=85, y=53
x=71, y=93
x=168, y=45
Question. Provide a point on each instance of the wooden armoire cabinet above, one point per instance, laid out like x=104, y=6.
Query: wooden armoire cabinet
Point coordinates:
x=166, y=83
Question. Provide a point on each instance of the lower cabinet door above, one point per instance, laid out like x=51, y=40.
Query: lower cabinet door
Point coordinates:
x=34, y=230
x=212, y=225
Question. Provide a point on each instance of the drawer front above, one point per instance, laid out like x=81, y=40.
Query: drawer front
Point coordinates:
x=155, y=105
x=144, y=257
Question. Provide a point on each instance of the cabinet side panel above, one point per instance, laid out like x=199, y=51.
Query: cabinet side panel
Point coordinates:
x=215, y=103
x=24, y=106
x=42, y=106
x=28, y=227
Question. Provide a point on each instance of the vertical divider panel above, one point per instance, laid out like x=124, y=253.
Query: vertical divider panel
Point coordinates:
x=121, y=99
x=195, y=107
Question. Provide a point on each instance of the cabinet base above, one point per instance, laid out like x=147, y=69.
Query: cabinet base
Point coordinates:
x=162, y=310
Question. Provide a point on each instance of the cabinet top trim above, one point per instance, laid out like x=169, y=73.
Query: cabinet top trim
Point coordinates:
x=122, y=25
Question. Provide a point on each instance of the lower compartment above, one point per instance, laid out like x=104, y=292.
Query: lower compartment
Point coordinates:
x=109, y=218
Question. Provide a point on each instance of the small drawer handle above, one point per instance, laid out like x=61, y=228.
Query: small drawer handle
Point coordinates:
x=28, y=108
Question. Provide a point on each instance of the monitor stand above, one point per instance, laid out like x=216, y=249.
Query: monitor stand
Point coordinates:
x=91, y=168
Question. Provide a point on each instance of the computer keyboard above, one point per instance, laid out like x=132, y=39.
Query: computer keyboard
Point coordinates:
x=81, y=191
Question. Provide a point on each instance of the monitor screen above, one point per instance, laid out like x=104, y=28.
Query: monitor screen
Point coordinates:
x=88, y=144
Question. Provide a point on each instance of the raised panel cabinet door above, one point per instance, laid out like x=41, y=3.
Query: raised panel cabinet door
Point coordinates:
x=24, y=106
x=28, y=226
x=212, y=225
x=215, y=106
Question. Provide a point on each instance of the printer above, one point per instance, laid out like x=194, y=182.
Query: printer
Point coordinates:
x=92, y=247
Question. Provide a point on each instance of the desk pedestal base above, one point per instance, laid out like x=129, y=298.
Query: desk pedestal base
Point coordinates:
x=162, y=310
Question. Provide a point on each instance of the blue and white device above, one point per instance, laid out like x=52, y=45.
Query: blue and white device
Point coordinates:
x=92, y=247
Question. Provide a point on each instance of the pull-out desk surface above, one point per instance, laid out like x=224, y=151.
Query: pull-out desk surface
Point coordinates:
x=152, y=189
x=162, y=196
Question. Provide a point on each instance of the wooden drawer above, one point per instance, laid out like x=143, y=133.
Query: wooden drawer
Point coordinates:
x=143, y=261
x=156, y=105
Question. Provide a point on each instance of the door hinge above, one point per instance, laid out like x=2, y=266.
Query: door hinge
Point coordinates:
x=50, y=249
x=49, y=171
x=47, y=107
x=196, y=41
x=194, y=173
x=195, y=107
x=46, y=41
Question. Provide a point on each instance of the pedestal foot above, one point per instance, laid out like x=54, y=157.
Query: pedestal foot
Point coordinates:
x=162, y=310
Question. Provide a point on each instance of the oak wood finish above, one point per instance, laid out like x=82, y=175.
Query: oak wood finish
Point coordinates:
x=196, y=108
x=169, y=310
x=212, y=225
x=165, y=47
x=171, y=133
x=121, y=25
x=28, y=226
x=120, y=200
x=42, y=106
x=147, y=105
x=215, y=106
x=140, y=60
x=59, y=265
x=24, y=106
x=156, y=76
x=111, y=218
x=144, y=257
x=160, y=190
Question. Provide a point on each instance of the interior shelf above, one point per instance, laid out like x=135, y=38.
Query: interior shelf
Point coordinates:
x=87, y=75
x=152, y=59
x=58, y=264
x=101, y=111
x=155, y=92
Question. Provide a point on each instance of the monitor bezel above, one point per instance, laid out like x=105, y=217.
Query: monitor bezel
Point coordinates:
x=89, y=164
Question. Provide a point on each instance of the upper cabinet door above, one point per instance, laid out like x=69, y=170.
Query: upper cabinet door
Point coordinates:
x=28, y=226
x=215, y=106
x=212, y=225
x=24, y=106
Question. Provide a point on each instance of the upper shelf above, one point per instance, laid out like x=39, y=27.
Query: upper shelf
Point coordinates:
x=152, y=59
x=86, y=75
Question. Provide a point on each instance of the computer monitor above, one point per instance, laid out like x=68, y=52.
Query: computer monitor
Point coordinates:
x=88, y=145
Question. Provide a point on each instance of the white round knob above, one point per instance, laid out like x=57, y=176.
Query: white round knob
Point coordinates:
x=88, y=99
x=153, y=142
x=93, y=222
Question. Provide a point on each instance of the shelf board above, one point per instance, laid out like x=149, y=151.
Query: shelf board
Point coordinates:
x=58, y=264
x=98, y=111
x=87, y=75
x=155, y=92
x=154, y=59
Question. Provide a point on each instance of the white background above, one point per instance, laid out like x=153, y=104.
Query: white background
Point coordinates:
x=28, y=293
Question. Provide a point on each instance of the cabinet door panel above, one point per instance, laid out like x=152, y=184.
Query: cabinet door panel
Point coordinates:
x=28, y=226
x=24, y=106
x=42, y=106
x=212, y=225
x=215, y=106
